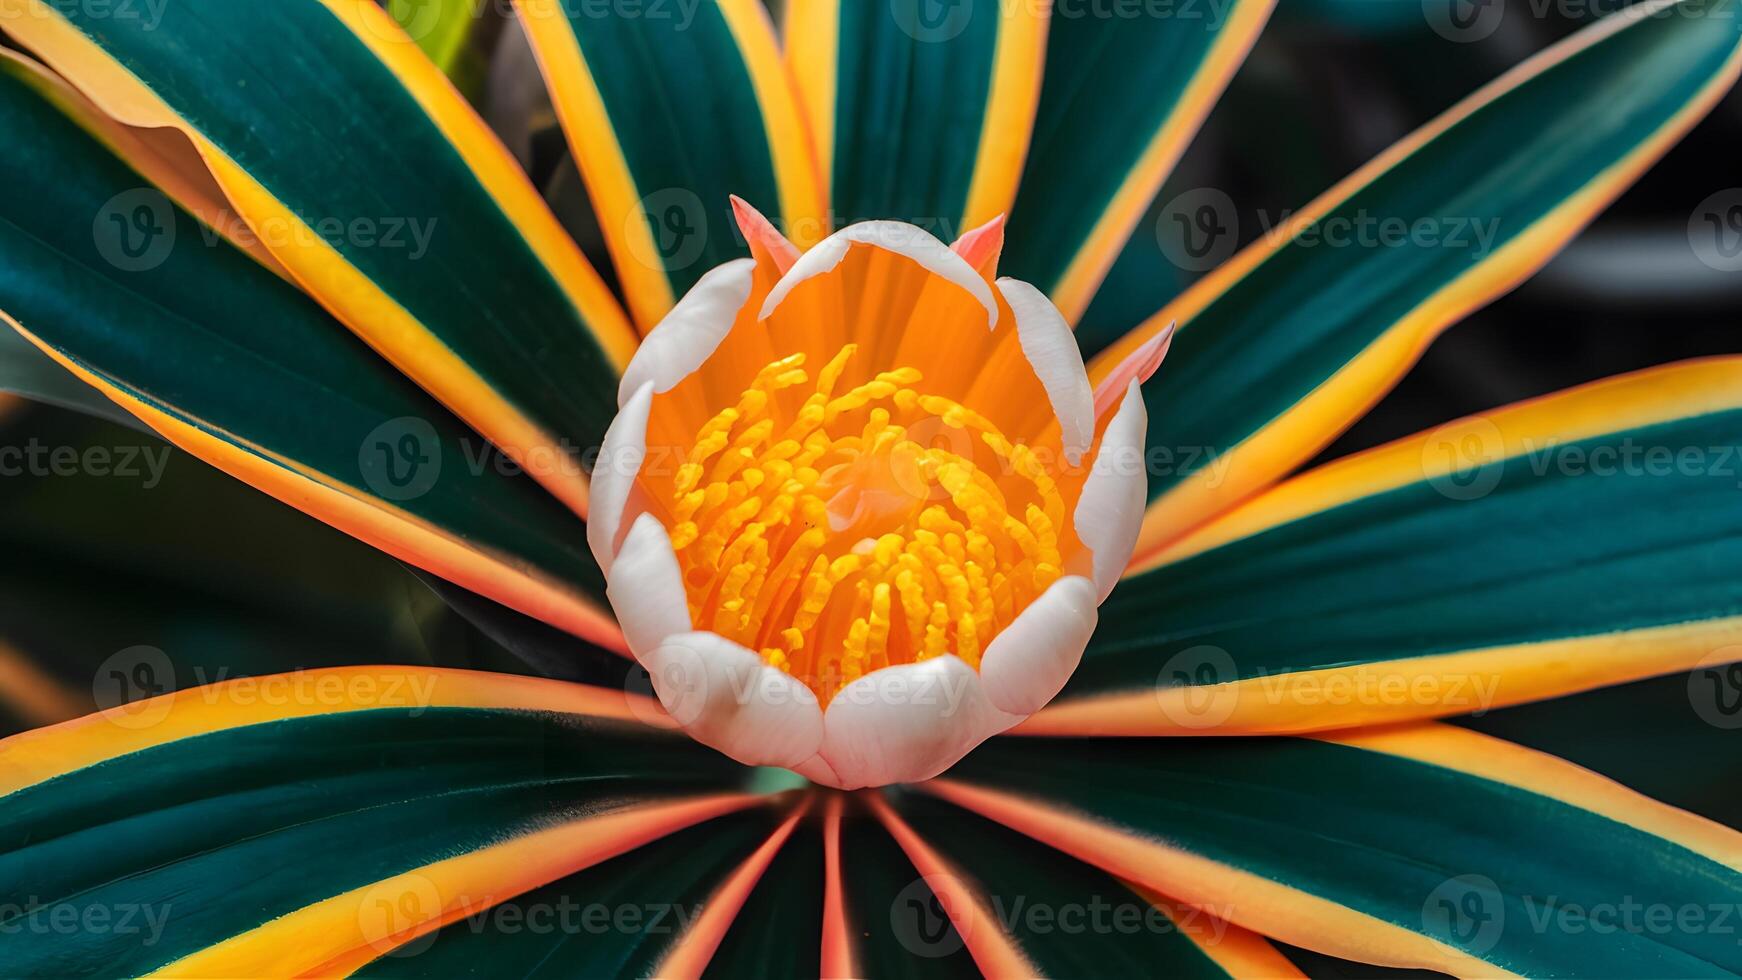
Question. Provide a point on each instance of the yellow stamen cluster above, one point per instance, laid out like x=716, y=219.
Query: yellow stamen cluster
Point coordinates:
x=820, y=530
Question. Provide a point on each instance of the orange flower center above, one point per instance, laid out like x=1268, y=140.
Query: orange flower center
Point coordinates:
x=842, y=532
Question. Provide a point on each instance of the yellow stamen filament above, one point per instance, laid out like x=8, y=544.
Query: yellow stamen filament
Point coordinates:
x=826, y=533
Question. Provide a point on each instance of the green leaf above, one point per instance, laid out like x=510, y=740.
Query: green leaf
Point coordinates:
x=372, y=181
x=1287, y=344
x=773, y=935
x=228, y=360
x=315, y=821
x=669, y=111
x=620, y=918
x=919, y=117
x=896, y=925
x=1429, y=847
x=1559, y=545
x=1071, y=919
x=1123, y=96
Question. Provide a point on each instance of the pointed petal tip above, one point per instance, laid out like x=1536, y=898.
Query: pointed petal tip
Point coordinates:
x=896, y=237
x=765, y=241
x=1138, y=366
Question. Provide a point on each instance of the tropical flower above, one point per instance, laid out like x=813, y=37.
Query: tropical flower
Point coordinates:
x=936, y=619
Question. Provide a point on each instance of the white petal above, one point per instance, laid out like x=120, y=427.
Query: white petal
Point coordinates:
x=724, y=696
x=691, y=332
x=1027, y=664
x=620, y=459
x=1110, y=511
x=908, y=723
x=1051, y=348
x=817, y=770
x=892, y=236
x=646, y=587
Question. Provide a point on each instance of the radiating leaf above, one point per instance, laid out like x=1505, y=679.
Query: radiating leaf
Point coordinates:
x=226, y=360
x=1291, y=341
x=313, y=821
x=1069, y=919
x=1429, y=847
x=371, y=180
x=921, y=113
x=622, y=918
x=1123, y=96
x=1567, y=543
x=670, y=110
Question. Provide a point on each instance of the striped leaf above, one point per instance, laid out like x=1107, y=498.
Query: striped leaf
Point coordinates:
x=921, y=112
x=1580, y=540
x=1675, y=742
x=1292, y=340
x=657, y=911
x=670, y=109
x=1122, y=98
x=1428, y=847
x=312, y=822
x=369, y=178
x=229, y=362
x=1025, y=909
